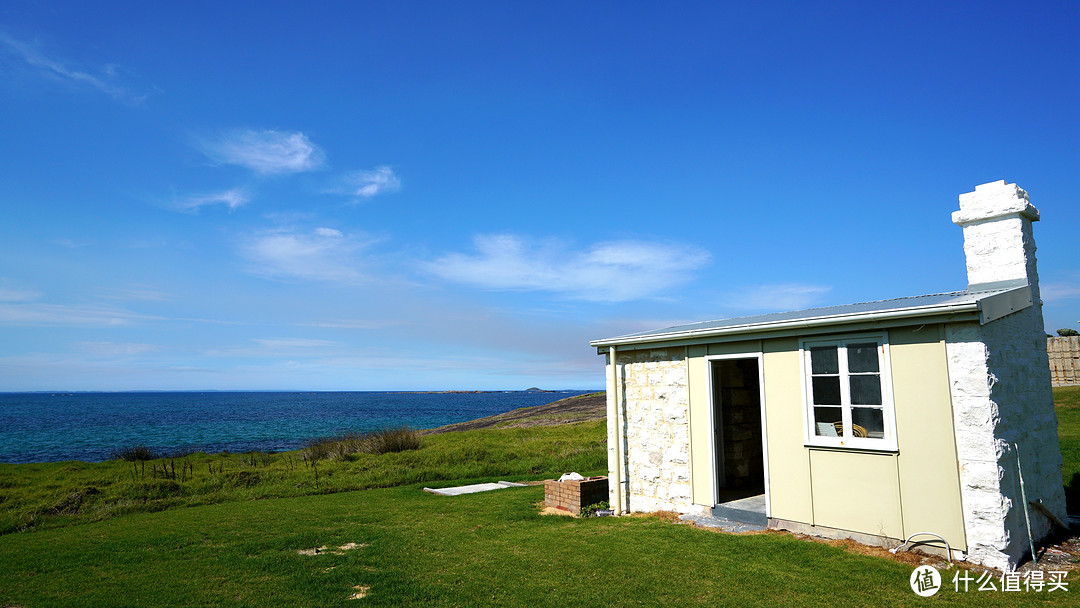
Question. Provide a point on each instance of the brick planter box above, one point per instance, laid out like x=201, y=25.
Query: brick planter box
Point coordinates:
x=573, y=495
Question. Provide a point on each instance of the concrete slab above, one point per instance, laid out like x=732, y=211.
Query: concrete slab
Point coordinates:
x=719, y=522
x=472, y=489
x=749, y=511
x=755, y=504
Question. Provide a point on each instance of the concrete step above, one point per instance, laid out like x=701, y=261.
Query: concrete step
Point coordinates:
x=750, y=511
x=723, y=524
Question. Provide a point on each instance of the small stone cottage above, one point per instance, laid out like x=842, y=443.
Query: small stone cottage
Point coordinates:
x=929, y=415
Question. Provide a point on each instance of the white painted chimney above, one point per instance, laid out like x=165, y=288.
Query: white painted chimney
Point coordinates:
x=998, y=241
x=1003, y=407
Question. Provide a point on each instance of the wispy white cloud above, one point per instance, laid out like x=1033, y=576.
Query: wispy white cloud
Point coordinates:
x=70, y=243
x=290, y=343
x=23, y=307
x=323, y=254
x=357, y=323
x=147, y=294
x=105, y=80
x=146, y=242
x=611, y=271
x=366, y=184
x=267, y=152
x=297, y=348
x=233, y=199
x=1059, y=291
x=10, y=293
x=379, y=180
x=776, y=297
x=117, y=349
x=37, y=313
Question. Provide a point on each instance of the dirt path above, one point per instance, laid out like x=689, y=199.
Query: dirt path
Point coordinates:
x=572, y=409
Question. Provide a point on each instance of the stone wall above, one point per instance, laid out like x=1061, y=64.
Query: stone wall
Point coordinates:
x=977, y=449
x=657, y=401
x=1020, y=388
x=1002, y=399
x=1000, y=385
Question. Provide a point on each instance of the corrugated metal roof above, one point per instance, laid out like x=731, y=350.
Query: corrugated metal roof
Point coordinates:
x=939, y=303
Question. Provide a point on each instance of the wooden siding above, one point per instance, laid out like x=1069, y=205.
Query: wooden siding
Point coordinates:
x=1064, y=360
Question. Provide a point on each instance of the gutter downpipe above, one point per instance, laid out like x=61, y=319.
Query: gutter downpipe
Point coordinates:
x=616, y=471
x=1023, y=498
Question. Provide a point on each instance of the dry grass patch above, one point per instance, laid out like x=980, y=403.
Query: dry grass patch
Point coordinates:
x=325, y=550
x=361, y=592
x=669, y=516
x=346, y=446
x=554, y=511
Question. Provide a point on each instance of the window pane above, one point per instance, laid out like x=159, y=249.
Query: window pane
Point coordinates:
x=827, y=421
x=826, y=390
x=862, y=357
x=823, y=360
x=868, y=422
x=865, y=390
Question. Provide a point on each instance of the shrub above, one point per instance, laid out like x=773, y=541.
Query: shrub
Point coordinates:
x=338, y=447
x=317, y=449
x=590, y=511
x=177, y=453
x=397, y=439
x=344, y=446
x=243, y=479
x=136, y=453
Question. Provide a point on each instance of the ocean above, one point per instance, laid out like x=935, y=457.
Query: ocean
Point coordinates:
x=53, y=427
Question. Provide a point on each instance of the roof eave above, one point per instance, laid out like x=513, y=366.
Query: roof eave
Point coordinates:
x=795, y=325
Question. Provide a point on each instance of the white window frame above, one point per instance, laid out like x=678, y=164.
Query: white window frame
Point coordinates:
x=888, y=442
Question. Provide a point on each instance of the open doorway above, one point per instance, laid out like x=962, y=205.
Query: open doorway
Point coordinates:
x=737, y=440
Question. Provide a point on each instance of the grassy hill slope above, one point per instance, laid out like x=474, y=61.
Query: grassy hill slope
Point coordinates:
x=278, y=538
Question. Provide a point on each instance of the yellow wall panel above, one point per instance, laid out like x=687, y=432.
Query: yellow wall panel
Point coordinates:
x=789, y=465
x=747, y=347
x=890, y=494
x=856, y=491
x=701, y=492
x=929, y=478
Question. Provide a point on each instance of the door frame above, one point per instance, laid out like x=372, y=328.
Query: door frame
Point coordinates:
x=714, y=464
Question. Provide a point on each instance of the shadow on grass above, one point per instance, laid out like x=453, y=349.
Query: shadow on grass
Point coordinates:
x=1072, y=495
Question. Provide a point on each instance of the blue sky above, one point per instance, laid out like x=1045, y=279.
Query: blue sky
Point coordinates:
x=406, y=195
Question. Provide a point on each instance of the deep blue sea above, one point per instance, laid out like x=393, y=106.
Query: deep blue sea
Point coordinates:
x=52, y=427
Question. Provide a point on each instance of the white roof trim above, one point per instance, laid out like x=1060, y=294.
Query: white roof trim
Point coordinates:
x=993, y=307
x=984, y=307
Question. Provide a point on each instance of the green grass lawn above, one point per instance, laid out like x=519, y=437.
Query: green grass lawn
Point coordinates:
x=37, y=496
x=1067, y=402
x=421, y=549
x=209, y=543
